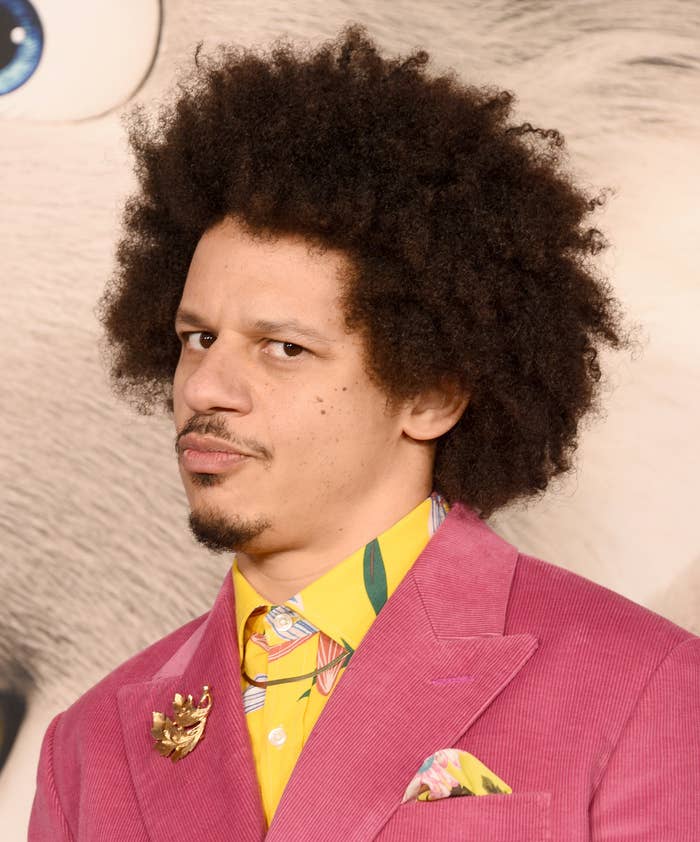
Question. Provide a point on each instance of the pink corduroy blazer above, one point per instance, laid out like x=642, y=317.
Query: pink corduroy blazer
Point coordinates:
x=585, y=703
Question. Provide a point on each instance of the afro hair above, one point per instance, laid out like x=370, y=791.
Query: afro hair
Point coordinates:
x=469, y=242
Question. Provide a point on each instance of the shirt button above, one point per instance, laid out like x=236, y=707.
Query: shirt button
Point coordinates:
x=277, y=736
x=283, y=622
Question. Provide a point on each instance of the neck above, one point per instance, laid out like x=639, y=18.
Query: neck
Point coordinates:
x=280, y=574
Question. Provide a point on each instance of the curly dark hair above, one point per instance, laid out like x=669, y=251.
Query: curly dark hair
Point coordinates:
x=468, y=240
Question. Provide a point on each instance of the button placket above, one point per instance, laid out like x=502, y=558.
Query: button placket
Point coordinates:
x=277, y=736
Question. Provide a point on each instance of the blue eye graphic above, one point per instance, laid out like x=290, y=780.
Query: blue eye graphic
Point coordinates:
x=21, y=43
x=63, y=60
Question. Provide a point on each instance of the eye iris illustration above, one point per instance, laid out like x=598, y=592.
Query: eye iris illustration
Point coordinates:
x=21, y=43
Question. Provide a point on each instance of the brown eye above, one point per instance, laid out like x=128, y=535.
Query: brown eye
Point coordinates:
x=198, y=340
x=284, y=350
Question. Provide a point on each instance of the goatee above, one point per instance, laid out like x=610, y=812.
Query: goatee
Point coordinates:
x=224, y=533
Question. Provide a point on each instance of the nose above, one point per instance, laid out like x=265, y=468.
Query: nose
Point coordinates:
x=217, y=380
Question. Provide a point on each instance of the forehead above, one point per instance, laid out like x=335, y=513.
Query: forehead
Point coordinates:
x=236, y=274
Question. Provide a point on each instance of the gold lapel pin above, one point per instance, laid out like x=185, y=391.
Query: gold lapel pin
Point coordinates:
x=177, y=737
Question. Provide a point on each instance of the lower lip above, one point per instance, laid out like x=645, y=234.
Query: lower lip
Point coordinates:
x=210, y=461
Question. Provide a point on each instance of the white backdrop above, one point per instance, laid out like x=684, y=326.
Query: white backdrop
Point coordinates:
x=93, y=514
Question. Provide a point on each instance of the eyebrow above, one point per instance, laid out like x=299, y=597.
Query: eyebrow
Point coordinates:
x=183, y=316
x=288, y=326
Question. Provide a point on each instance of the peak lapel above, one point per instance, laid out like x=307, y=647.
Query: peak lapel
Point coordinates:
x=430, y=664
x=213, y=792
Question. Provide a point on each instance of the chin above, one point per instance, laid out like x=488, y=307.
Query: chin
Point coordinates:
x=225, y=531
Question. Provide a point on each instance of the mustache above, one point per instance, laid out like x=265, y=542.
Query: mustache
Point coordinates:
x=216, y=427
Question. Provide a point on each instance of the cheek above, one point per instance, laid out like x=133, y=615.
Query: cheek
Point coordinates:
x=334, y=424
x=312, y=428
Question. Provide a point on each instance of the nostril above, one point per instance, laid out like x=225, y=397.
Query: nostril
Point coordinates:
x=12, y=711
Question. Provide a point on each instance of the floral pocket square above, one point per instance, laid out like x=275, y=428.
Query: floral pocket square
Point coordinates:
x=451, y=772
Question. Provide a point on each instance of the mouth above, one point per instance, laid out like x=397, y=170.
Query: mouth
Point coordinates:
x=204, y=454
x=210, y=461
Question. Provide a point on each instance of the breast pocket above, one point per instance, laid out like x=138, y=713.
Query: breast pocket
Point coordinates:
x=518, y=817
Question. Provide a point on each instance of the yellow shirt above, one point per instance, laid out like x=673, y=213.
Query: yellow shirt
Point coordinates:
x=323, y=621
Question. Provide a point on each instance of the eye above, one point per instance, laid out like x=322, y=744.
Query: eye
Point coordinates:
x=197, y=340
x=74, y=60
x=21, y=43
x=284, y=350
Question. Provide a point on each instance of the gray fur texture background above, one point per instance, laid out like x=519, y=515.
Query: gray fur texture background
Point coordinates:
x=93, y=513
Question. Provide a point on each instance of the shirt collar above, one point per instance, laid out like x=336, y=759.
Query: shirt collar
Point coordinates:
x=345, y=600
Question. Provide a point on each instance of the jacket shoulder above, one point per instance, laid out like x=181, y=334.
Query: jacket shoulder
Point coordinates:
x=561, y=602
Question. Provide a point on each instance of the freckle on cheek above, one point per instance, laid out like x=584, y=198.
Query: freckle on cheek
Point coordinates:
x=323, y=412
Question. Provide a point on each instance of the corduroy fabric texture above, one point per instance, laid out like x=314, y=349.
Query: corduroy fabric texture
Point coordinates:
x=585, y=703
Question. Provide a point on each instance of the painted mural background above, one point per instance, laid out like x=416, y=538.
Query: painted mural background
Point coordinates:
x=93, y=514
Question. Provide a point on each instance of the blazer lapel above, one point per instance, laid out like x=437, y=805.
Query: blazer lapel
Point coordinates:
x=428, y=667
x=213, y=792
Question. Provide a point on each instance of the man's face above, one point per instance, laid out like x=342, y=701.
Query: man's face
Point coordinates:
x=267, y=368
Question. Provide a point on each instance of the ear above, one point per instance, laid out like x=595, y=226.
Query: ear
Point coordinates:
x=432, y=413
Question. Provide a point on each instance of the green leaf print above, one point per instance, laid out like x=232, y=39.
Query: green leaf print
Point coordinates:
x=490, y=786
x=460, y=790
x=304, y=695
x=349, y=650
x=375, y=575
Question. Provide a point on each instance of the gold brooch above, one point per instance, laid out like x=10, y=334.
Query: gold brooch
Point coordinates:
x=175, y=738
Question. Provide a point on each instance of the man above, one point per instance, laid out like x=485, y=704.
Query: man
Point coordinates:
x=369, y=304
